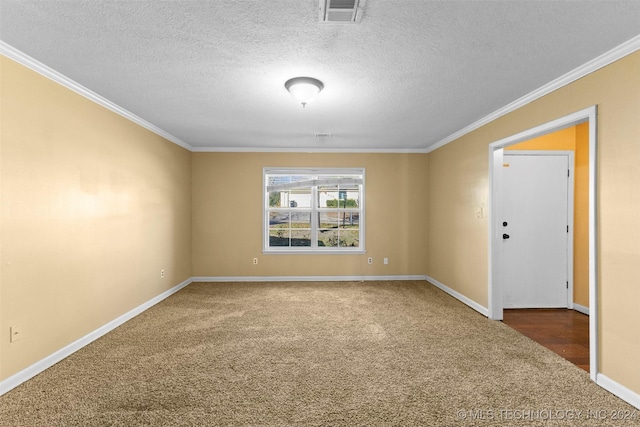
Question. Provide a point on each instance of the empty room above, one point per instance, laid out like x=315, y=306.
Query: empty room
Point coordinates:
x=319, y=212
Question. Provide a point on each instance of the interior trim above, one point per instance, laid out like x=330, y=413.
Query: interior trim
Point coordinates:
x=306, y=150
x=619, y=52
x=303, y=278
x=495, y=161
x=629, y=396
x=624, y=49
x=457, y=295
x=31, y=371
x=581, y=308
x=15, y=380
x=37, y=66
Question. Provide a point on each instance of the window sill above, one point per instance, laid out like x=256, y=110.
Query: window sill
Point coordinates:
x=313, y=252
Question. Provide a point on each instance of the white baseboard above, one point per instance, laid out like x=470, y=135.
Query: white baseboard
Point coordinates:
x=581, y=308
x=303, y=278
x=629, y=396
x=457, y=295
x=20, y=377
x=15, y=380
x=33, y=370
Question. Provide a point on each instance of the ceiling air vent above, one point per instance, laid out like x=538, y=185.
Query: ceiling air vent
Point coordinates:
x=341, y=11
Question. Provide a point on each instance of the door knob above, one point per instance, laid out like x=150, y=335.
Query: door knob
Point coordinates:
x=505, y=236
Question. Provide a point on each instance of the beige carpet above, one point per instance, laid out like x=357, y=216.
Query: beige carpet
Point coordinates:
x=312, y=354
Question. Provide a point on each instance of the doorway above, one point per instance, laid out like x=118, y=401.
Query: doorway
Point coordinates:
x=496, y=249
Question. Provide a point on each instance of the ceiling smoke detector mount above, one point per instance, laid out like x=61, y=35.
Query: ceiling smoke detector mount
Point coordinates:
x=341, y=11
x=323, y=135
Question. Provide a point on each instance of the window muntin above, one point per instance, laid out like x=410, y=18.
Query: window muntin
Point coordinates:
x=307, y=211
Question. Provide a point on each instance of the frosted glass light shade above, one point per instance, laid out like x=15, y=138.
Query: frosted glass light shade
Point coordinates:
x=304, y=89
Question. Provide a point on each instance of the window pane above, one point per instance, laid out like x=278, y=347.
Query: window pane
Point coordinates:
x=350, y=238
x=300, y=219
x=289, y=228
x=339, y=196
x=351, y=196
x=339, y=238
x=279, y=237
x=279, y=219
x=285, y=179
x=276, y=199
x=329, y=220
x=300, y=198
x=308, y=209
x=300, y=237
x=328, y=196
x=328, y=238
x=349, y=219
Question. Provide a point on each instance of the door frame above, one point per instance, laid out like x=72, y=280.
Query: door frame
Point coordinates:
x=588, y=115
x=570, y=206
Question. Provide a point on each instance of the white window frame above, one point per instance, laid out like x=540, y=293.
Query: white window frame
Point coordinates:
x=313, y=249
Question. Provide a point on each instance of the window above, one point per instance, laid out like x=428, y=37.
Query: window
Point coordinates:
x=313, y=210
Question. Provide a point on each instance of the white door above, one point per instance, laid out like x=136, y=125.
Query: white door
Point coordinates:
x=534, y=229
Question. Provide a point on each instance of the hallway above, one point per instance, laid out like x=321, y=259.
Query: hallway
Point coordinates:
x=565, y=332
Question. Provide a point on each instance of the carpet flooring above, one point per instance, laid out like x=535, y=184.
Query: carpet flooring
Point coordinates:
x=312, y=354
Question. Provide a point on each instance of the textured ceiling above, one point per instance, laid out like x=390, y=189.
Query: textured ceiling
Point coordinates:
x=212, y=73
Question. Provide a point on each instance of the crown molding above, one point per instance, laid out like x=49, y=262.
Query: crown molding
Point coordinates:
x=196, y=149
x=619, y=52
x=37, y=66
x=601, y=61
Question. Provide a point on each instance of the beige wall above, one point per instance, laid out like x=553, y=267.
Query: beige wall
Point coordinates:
x=93, y=207
x=457, y=182
x=227, y=215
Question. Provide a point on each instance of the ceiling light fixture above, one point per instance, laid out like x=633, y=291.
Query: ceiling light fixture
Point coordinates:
x=304, y=89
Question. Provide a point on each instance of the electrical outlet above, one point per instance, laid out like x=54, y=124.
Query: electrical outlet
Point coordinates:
x=162, y=273
x=369, y=260
x=15, y=333
x=255, y=261
x=386, y=261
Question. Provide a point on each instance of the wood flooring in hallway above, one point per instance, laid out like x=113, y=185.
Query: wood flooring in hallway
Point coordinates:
x=565, y=332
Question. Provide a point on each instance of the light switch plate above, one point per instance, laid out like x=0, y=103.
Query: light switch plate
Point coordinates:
x=15, y=333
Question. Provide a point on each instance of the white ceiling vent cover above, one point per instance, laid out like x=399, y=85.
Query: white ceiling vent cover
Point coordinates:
x=341, y=11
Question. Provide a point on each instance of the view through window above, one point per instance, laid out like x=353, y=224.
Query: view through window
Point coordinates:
x=317, y=210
